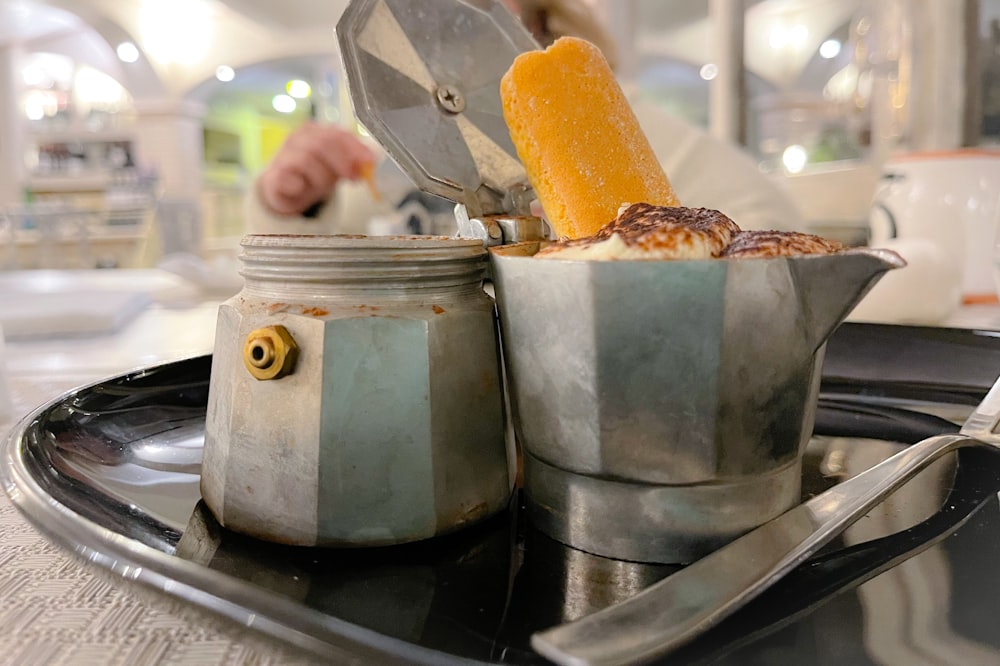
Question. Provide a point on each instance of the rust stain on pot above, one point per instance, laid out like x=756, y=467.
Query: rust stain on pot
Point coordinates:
x=438, y=309
x=277, y=307
x=315, y=312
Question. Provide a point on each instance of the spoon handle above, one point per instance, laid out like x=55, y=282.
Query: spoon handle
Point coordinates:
x=698, y=597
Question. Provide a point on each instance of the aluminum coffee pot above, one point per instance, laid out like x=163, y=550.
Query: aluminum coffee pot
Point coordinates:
x=664, y=406
x=355, y=392
x=356, y=396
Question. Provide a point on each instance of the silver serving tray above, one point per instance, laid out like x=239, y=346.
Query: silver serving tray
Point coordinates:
x=110, y=471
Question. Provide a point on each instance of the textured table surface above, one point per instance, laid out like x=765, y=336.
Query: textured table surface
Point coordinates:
x=55, y=610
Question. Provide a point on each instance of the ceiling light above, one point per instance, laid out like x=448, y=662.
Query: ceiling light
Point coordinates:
x=778, y=37
x=178, y=31
x=225, y=73
x=283, y=104
x=829, y=49
x=799, y=35
x=94, y=87
x=34, y=77
x=298, y=89
x=782, y=36
x=794, y=158
x=709, y=71
x=47, y=70
x=34, y=106
x=127, y=52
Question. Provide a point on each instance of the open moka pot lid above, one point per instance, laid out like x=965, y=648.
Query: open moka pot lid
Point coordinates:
x=424, y=78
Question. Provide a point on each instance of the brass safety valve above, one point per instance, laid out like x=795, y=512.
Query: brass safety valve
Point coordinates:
x=270, y=352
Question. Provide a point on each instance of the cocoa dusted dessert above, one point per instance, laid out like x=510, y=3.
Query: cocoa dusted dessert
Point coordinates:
x=646, y=232
x=779, y=244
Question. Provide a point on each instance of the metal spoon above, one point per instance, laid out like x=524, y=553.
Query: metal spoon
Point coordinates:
x=693, y=600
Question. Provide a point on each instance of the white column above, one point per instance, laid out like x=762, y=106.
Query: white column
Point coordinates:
x=327, y=102
x=169, y=139
x=889, y=50
x=620, y=19
x=938, y=71
x=12, y=126
x=726, y=98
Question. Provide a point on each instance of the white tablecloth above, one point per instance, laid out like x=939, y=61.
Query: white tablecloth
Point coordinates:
x=53, y=610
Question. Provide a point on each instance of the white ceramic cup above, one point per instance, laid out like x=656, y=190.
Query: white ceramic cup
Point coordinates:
x=925, y=291
x=947, y=198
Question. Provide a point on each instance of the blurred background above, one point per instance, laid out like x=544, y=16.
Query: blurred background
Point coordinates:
x=140, y=124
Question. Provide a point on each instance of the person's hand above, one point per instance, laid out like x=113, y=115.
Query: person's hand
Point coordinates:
x=308, y=165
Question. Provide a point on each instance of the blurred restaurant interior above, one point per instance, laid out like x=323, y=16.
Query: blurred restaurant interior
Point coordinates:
x=142, y=124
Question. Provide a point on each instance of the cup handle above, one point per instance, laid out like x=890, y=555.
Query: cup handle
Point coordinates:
x=890, y=221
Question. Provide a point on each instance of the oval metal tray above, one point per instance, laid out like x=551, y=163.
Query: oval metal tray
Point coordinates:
x=110, y=471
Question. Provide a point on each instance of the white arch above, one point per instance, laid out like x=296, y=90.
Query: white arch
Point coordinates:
x=235, y=40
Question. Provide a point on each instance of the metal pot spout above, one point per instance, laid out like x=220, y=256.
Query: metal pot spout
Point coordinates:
x=831, y=289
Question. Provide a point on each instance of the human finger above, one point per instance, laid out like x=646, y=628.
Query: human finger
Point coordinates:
x=295, y=180
x=283, y=191
x=306, y=179
x=343, y=154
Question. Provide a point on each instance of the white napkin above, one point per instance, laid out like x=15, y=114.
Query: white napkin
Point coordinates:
x=219, y=277
x=68, y=313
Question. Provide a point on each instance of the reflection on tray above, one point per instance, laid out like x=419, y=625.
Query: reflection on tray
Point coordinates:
x=481, y=593
x=448, y=593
